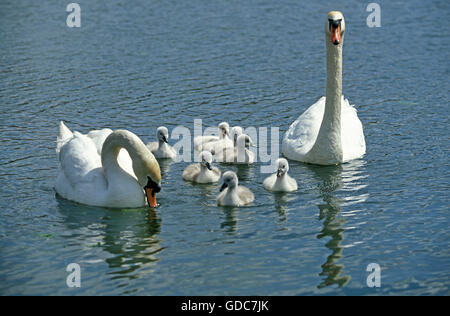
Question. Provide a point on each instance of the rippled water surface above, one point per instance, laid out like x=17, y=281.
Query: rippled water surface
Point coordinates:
x=138, y=65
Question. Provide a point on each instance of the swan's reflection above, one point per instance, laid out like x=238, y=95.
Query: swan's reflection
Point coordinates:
x=129, y=236
x=230, y=221
x=281, y=200
x=333, y=178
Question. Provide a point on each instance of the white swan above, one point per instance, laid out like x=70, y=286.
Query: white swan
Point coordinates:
x=329, y=132
x=233, y=194
x=211, y=143
x=161, y=148
x=202, y=172
x=281, y=181
x=241, y=154
x=122, y=175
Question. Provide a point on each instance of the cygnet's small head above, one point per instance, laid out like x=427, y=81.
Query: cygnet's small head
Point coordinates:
x=236, y=131
x=245, y=141
x=163, y=134
x=230, y=180
x=224, y=129
x=206, y=159
x=283, y=167
x=335, y=27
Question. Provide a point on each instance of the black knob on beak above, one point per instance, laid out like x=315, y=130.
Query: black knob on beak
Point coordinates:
x=156, y=187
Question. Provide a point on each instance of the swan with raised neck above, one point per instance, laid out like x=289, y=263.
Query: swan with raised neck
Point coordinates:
x=329, y=132
x=327, y=149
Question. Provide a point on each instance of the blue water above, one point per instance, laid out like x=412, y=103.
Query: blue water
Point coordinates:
x=138, y=65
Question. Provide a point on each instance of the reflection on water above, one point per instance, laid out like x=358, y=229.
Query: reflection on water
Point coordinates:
x=333, y=179
x=282, y=203
x=244, y=172
x=332, y=227
x=230, y=221
x=129, y=236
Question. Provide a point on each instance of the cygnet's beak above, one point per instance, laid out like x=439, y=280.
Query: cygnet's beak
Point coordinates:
x=279, y=172
x=223, y=187
x=208, y=165
x=164, y=138
x=150, y=191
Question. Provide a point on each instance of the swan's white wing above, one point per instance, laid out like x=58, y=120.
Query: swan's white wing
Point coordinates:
x=78, y=157
x=191, y=172
x=352, y=134
x=99, y=137
x=302, y=134
x=64, y=135
x=245, y=195
x=80, y=175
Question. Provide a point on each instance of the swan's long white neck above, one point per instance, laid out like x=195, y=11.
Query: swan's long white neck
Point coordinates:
x=334, y=86
x=110, y=151
x=328, y=146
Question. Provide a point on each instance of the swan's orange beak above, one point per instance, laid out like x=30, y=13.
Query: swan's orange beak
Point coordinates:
x=151, y=197
x=335, y=34
x=150, y=192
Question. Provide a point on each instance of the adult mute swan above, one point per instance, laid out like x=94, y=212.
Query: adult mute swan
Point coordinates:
x=281, y=181
x=202, y=172
x=233, y=194
x=123, y=174
x=329, y=132
x=161, y=148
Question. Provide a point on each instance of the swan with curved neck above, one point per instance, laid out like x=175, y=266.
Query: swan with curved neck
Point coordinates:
x=125, y=175
x=329, y=132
